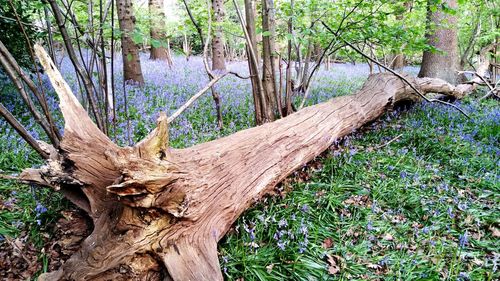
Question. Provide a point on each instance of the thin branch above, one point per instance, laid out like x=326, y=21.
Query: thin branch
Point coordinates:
x=253, y=54
x=16, y=76
x=41, y=97
x=195, y=23
x=5, y=113
x=389, y=142
x=238, y=75
x=478, y=76
x=316, y=67
x=205, y=43
x=395, y=73
x=195, y=97
x=492, y=92
x=81, y=72
x=9, y=177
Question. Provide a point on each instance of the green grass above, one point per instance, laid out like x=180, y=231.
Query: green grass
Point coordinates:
x=397, y=212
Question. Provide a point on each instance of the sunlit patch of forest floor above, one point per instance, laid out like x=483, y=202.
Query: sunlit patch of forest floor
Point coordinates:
x=413, y=196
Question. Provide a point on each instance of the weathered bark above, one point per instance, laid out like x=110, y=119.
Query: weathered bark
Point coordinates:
x=157, y=23
x=218, y=61
x=130, y=53
x=159, y=211
x=441, y=34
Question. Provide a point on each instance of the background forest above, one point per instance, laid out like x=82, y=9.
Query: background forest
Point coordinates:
x=412, y=195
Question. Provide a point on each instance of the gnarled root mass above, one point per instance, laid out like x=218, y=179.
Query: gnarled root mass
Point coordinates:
x=159, y=212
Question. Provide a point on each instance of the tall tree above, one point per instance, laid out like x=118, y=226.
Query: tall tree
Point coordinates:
x=218, y=62
x=157, y=24
x=130, y=53
x=442, y=35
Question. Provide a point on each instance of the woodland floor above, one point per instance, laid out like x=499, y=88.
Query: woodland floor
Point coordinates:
x=413, y=196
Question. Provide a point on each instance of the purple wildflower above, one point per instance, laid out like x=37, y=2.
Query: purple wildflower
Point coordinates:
x=450, y=212
x=305, y=208
x=463, y=239
x=369, y=226
x=281, y=245
x=282, y=223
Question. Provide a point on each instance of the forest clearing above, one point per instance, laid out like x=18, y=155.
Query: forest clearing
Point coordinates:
x=301, y=140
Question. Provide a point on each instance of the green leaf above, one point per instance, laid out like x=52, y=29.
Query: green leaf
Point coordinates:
x=266, y=33
x=137, y=37
x=155, y=43
x=129, y=57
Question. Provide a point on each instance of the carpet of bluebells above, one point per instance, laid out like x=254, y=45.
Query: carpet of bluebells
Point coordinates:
x=413, y=196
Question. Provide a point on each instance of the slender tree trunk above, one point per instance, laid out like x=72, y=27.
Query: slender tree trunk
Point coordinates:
x=253, y=59
x=158, y=37
x=441, y=34
x=130, y=53
x=218, y=61
x=399, y=60
x=268, y=57
x=186, y=48
x=288, y=90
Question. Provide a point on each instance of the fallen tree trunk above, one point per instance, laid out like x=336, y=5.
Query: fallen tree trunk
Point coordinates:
x=159, y=212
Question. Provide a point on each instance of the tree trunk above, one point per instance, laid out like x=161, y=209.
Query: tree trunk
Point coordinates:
x=218, y=62
x=288, y=90
x=253, y=60
x=269, y=106
x=159, y=212
x=130, y=53
x=442, y=35
x=399, y=60
x=158, y=37
x=186, y=48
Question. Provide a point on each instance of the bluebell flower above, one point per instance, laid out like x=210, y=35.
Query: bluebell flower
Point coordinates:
x=305, y=208
x=425, y=230
x=463, y=239
x=282, y=223
x=40, y=209
x=450, y=212
x=462, y=276
x=281, y=245
x=369, y=226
